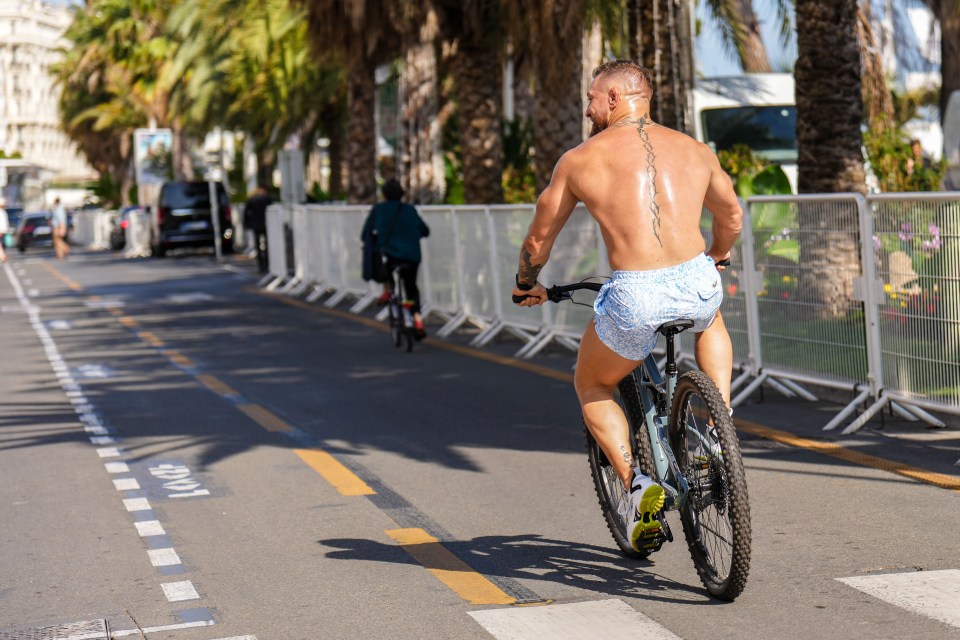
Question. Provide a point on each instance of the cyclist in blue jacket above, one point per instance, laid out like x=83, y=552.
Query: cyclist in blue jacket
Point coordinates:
x=395, y=228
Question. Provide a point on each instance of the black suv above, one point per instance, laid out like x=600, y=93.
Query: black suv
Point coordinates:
x=181, y=217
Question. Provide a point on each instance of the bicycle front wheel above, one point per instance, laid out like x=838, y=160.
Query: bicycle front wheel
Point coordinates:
x=610, y=492
x=716, y=513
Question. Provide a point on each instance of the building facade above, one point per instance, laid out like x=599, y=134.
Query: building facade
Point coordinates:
x=31, y=35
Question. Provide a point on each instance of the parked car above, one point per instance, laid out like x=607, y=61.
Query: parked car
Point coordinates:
x=181, y=217
x=33, y=230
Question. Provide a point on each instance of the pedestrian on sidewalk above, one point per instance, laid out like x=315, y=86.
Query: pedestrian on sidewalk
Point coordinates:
x=4, y=230
x=59, y=223
x=255, y=219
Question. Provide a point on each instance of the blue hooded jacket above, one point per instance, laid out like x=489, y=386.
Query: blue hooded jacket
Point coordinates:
x=401, y=226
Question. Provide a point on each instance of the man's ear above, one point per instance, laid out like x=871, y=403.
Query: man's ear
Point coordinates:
x=613, y=97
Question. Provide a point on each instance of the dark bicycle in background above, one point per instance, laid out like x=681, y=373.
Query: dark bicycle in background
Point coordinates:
x=402, y=328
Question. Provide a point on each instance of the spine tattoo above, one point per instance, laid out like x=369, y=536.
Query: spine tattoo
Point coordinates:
x=642, y=123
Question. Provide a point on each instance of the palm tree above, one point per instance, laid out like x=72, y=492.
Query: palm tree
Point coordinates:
x=476, y=29
x=829, y=116
x=557, y=27
x=358, y=32
x=948, y=14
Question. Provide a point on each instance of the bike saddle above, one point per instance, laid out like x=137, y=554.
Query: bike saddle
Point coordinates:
x=674, y=327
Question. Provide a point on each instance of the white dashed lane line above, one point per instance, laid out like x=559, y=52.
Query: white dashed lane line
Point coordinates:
x=180, y=591
x=934, y=594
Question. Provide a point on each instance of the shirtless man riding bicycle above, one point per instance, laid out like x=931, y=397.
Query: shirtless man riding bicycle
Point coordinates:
x=646, y=186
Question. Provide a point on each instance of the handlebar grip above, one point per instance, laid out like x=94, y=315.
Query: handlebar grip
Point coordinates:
x=518, y=299
x=724, y=263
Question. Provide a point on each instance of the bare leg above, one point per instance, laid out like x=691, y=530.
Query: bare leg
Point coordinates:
x=714, y=353
x=598, y=371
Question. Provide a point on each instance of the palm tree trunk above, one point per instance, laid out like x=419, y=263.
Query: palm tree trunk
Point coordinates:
x=421, y=162
x=665, y=49
x=557, y=108
x=753, y=56
x=949, y=16
x=333, y=127
x=829, y=115
x=479, y=81
x=362, y=133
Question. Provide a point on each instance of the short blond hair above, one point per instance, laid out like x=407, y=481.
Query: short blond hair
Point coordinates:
x=635, y=74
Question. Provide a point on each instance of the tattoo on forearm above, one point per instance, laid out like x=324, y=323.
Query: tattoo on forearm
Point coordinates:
x=627, y=457
x=528, y=272
x=642, y=124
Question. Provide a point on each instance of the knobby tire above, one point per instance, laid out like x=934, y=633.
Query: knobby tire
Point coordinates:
x=716, y=514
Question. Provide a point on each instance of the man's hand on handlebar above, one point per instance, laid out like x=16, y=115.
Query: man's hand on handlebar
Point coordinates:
x=531, y=298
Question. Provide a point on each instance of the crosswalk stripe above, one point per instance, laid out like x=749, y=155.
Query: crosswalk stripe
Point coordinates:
x=934, y=594
x=572, y=621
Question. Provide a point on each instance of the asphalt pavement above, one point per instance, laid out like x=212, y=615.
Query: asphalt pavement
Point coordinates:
x=186, y=456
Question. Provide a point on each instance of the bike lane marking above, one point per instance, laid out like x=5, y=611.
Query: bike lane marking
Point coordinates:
x=427, y=550
x=165, y=559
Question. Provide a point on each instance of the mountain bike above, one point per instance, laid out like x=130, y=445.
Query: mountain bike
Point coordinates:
x=683, y=437
x=401, y=313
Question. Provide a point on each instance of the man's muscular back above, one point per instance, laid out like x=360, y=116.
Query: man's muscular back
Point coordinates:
x=646, y=185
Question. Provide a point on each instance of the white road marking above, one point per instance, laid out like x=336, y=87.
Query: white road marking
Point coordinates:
x=137, y=504
x=116, y=467
x=150, y=528
x=123, y=633
x=33, y=293
x=102, y=440
x=96, y=430
x=108, y=452
x=179, y=591
x=60, y=325
x=934, y=594
x=104, y=304
x=578, y=620
x=163, y=557
x=126, y=484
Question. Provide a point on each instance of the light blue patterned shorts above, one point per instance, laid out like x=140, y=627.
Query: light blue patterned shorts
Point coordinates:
x=631, y=306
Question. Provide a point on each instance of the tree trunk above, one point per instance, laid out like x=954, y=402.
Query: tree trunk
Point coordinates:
x=479, y=86
x=829, y=115
x=421, y=163
x=557, y=113
x=362, y=133
x=949, y=16
x=335, y=133
x=665, y=50
x=753, y=56
x=182, y=164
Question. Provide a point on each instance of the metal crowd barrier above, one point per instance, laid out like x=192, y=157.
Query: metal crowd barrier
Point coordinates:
x=91, y=228
x=836, y=290
x=137, y=235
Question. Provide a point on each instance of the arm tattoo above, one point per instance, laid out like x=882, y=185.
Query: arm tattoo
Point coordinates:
x=642, y=123
x=528, y=272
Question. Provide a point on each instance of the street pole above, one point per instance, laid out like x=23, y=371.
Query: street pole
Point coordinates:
x=215, y=215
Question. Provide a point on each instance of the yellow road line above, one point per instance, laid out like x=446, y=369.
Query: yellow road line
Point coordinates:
x=264, y=418
x=942, y=480
x=149, y=337
x=128, y=322
x=216, y=385
x=448, y=568
x=64, y=279
x=343, y=480
x=179, y=358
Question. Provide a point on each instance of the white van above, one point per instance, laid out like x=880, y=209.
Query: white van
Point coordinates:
x=757, y=110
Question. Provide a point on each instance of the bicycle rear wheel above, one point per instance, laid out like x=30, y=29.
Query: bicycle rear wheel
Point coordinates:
x=395, y=323
x=716, y=513
x=610, y=492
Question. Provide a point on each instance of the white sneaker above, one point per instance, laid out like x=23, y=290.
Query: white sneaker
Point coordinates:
x=646, y=500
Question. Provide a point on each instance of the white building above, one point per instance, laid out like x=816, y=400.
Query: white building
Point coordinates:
x=30, y=36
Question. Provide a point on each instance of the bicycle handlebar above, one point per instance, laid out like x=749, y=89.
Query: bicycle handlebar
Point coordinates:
x=560, y=292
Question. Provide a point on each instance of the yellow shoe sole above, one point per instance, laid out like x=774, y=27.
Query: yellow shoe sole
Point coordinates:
x=647, y=528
